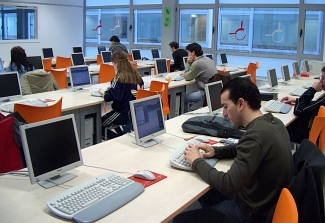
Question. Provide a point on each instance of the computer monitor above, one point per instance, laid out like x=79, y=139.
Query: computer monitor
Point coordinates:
x=161, y=66
x=247, y=76
x=285, y=74
x=223, y=58
x=100, y=49
x=77, y=59
x=136, y=55
x=36, y=61
x=212, y=94
x=79, y=77
x=106, y=56
x=77, y=49
x=184, y=60
x=9, y=86
x=148, y=120
x=51, y=152
x=305, y=66
x=155, y=53
x=47, y=52
x=209, y=56
x=1, y=66
x=296, y=69
x=272, y=78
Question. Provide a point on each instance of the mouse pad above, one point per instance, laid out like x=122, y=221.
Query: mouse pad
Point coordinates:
x=211, y=142
x=147, y=183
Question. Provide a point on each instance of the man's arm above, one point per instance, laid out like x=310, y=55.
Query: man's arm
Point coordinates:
x=305, y=105
x=192, y=71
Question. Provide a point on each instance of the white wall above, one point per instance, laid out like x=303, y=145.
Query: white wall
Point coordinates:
x=60, y=26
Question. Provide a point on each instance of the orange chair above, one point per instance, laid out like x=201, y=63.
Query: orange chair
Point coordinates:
x=38, y=113
x=286, y=208
x=318, y=129
x=60, y=76
x=99, y=59
x=106, y=73
x=157, y=85
x=130, y=58
x=134, y=64
x=146, y=93
x=47, y=64
x=63, y=62
x=251, y=69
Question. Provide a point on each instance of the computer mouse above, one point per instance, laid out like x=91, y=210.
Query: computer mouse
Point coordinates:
x=144, y=174
x=201, y=138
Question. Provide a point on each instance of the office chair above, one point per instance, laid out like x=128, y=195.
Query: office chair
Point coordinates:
x=251, y=69
x=130, y=58
x=47, y=64
x=36, y=113
x=317, y=132
x=63, y=62
x=134, y=64
x=156, y=86
x=60, y=76
x=106, y=73
x=99, y=59
x=286, y=208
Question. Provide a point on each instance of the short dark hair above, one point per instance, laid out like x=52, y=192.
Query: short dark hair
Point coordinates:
x=196, y=48
x=243, y=88
x=115, y=39
x=174, y=44
x=323, y=69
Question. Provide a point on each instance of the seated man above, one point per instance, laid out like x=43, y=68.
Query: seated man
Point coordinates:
x=116, y=45
x=201, y=69
x=178, y=55
x=262, y=164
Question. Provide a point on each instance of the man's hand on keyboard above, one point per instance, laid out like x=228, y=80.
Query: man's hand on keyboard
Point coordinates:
x=288, y=100
x=192, y=152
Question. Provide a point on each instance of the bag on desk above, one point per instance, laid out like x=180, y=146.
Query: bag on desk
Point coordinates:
x=213, y=126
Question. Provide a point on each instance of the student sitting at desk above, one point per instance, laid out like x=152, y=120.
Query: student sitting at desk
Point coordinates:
x=19, y=61
x=116, y=45
x=127, y=79
x=262, y=164
x=305, y=109
x=178, y=55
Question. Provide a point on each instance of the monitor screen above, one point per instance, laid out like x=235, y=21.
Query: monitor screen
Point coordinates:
x=1, y=66
x=209, y=56
x=247, y=76
x=136, y=55
x=296, y=69
x=161, y=66
x=47, y=52
x=77, y=49
x=106, y=56
x=213, y=96
x=272, y=78
x=36, y=61
x=9, y=86
x=100, y=49
x=223, y=58
x=79, y=77
x=148, y=120
x=305, y=66
x=155, y=53
x=77, y=59
x=49, y=151
x=285, y=73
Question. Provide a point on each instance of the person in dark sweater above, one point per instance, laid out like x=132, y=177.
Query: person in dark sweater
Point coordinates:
x=116, y=45
x=262, y=163
x=178, y=55
x=120, y=92
x=306, y=109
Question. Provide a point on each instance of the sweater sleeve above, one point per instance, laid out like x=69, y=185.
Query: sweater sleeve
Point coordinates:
x=192, y=71
x=113, y=93
x=225, y=152
x=305, y=105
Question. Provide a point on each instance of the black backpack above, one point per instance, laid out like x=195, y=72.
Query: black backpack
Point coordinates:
x=213, y=126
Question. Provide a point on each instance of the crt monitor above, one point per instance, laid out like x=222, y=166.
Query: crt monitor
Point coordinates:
x=155, y=53
x=51, y=152
x=161, y=66
x=77, y=59
x=9, y=86
x=148, y=120
x=36, y=61
x=223, y=58
x=106, y=56
x=100, y=49
x=272, y=78
x=136, y=55
x=209, y=56
x=305, y=66
x=296, y=69
x=77, y=49
x=212, y=93
x=285, y=74
x=79, y=77
x=47, y=52
x=1, y=66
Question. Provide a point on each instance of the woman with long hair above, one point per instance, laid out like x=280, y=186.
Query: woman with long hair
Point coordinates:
x=19, y=61
x=120, y=92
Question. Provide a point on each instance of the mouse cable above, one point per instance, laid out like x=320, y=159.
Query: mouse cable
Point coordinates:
x=98, y=167
x=174, y=135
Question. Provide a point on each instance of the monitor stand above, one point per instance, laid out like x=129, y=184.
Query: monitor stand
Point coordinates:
x=57, y=180
x=148, y=143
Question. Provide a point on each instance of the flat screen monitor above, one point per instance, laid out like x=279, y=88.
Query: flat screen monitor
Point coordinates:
x=296, y=69
x=106, y=56
x=209, y=56
x=79, y=77
x=36, y=61
x=136, y=55
x=161, y=66
x=305, y=66
x=148, y=120
x=100, y=49
x=51, y=152
x=77, y=49
x=184, y=60
x=285, y=74
x=247, y=76
x=272, y=78
x=155, y=53
x=212, y=93
x=77, y=59
x=47, y=52
x=9, y=86
x=223, y=58
x=1, y=66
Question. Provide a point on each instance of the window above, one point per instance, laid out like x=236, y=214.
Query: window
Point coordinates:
x=106, y=3
x=313, y=39
x=197, y=2
x=152, y=2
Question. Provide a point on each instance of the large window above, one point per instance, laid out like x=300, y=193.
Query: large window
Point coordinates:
x=313, y=38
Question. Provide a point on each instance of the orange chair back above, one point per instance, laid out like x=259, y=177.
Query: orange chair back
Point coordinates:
x=318, y=129
x=63, y=62
x=60, y=76
x=286, y=208
x=145, y=93
x=134, y=64
x=47, y=64
x=37, y=113
x=130, y=58
x=157, y=85
x=99, y=59
x=106, y=73
x=251, y=69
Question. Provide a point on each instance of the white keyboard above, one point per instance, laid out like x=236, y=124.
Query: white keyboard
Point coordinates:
x=177, y=157
x=9, y=106
x=297, y=91
x=95, y=92
x=146, y=85
x=307, y=85
x=174, y=77
x=95, y=198
x=277, y=106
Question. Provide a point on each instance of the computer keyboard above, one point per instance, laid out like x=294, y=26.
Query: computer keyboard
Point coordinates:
x=174, y=77
x=277, y=106
x=307, y=85
x=297, y=91
x=9, y=106
x=146, y=85
x=95, y=92
x=95, y=198
x=177, y=157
